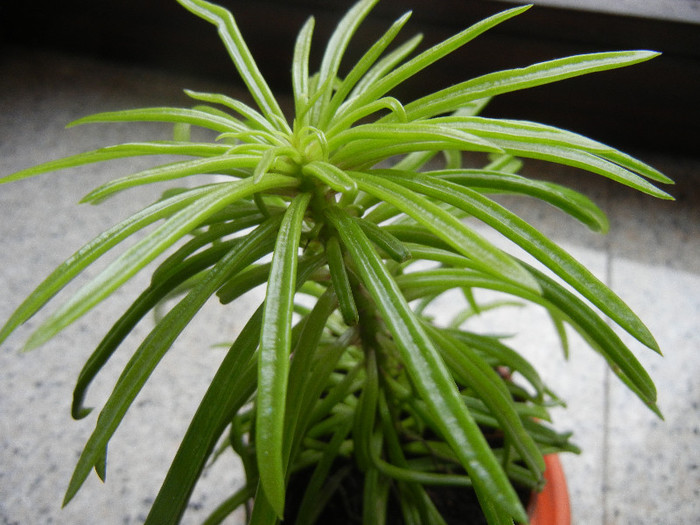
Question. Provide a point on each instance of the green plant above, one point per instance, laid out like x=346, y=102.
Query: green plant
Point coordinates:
x=346, y=198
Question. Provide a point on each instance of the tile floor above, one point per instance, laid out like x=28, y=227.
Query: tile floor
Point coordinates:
x=635, y=469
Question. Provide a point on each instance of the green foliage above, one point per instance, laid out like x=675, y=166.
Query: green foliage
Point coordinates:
x=343, y=200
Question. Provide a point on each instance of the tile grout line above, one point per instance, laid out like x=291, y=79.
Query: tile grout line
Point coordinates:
x=605, y=446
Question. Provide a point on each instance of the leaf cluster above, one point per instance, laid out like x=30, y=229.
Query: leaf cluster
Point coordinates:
x=356, y=204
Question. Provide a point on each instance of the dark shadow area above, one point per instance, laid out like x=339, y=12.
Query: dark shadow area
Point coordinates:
x=163, y=35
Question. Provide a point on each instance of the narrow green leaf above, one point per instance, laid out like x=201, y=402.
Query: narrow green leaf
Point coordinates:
x=229, y=506
x=414, y=161
x=446, y=227
x=428, y=371
x=231, y=387
x=375, y=500
x=582, y=160
x=120, y=151
x=341, y=282
x=153, y=348
x=158, y=290
x=273, y=362
x=252, y=116
x=408, y=131
x=433, y=253
x=366, y=411
x=561, y=332
x=263, y=513
x=243, y=282
x=623, y=362
x=506, y=356
x=385, y=103
x=173, y=171
x=569, y=201
x=389, y=244
x=539, y=246
x=264, y=163
x=174, y=115
x=492, y=84
x=530, y=138
x=419, y=476
x=361, y=67
x=504, y=164
x=227, y=392
x=335, y=49
x=77, y=262
x=337, y=391
x=378, y=71
x=578, y=314
x=310, y=506
x=246, y=217
x=300, y=68
x=522, y=130
x=241, y=56
x=397, y=466
x=306, y=352
x=331, y=175
x=147, y=249
x=397, y=76
x=489, y=387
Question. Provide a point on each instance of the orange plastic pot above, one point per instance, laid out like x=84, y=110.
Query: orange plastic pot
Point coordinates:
x=551, y=506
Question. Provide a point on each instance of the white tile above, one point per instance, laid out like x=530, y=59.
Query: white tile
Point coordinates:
x=653, y=468
x=40, y=225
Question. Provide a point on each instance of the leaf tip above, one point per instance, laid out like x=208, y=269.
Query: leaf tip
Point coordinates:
x=79, y=412
x=31, y=344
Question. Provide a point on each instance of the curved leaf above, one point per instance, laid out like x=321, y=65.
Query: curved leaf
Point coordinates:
x=149, y=299
x=241, y=56
x=300, y=68
x=335, y=49
x=492, y=84
x=569, y=201
x=273, y=360
x=428, y=371
x=194, y=117
x=341, y=282
x=392, y=79
x=445, y=226
x=539, y=246
x=361, y=67
x=120, y=151
x=147, y=249
x=239, y=107
x=554, y=296
x=231, y=387
x=168, y=172
x=153, y=348
x=81, y=259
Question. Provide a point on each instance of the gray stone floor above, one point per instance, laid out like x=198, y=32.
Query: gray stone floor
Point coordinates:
x=634, y=469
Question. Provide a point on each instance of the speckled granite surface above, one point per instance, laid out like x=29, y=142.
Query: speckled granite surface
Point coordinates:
x=634, y=469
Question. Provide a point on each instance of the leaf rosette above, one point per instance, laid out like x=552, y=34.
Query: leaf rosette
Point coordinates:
x=344, y=203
